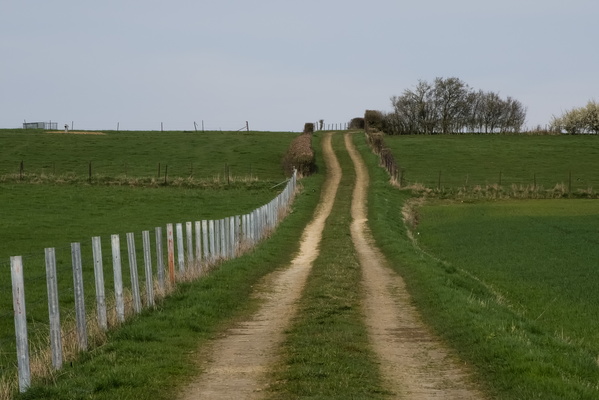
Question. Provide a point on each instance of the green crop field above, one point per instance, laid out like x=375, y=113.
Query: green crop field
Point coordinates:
x=469, y=160
x=53, y=203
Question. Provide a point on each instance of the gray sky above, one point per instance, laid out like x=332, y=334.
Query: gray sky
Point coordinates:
x=278, y=64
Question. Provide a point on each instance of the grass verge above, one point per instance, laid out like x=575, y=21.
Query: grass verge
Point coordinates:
x=327, y=354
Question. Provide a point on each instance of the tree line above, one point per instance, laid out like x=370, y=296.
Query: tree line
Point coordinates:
x=448, y=105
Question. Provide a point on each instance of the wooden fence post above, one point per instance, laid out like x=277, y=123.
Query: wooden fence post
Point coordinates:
x=148, y=268
x=99, y=274
x=118, y=277
x=53, y=308
x=171, y=253
x=160, y=259
x=133, y=272
x=79, y=296
x=18, y=301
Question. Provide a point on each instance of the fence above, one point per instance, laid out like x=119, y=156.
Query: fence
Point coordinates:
x=182, y=251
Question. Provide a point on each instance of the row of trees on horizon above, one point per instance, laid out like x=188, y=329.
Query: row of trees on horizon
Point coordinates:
x=449, y=105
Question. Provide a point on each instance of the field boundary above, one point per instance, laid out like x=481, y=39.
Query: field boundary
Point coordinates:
x=191, y=250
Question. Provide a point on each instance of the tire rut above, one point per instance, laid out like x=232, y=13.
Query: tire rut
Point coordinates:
x=238, y=363
x=414, y=363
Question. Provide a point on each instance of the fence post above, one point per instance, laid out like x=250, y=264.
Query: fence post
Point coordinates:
x=223, y=245
x=189, y=237
x=18, y=301
x=216, y=240
x=148, y=268
x=171, y=253
x=79, y=296
x=53, y=308
x=227, y=231
x=205, y=241
x=198, y=253
x=160, y=258
x=99, y=274
x=133, y=272
x=212, y=241
x=180, y=249
x=118, y=277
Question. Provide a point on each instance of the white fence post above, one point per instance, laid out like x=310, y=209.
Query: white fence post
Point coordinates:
x=212, y=234
x=133, y=272
x=171, y=253
x=189, y=237
x=118, y=277
x=216, y=240
x=160, y=259
x=223, y=245
x=53, y=308
x=148, y=268
x=100, y=289
x=205, y=242
x=79, y=296
x=198, y=253
x=18, y=301
x=180, y=249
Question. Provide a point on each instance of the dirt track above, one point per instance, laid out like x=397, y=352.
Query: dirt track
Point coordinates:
x=239, y=361
x=413, y=362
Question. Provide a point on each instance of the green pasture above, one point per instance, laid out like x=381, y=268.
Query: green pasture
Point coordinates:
x=541, y=256
x=39, y=213
x=455, y=161
x=201, y=155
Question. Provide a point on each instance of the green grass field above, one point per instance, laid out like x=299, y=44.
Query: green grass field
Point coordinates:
x=469, y=160
x=202, y=155
x=40, y=212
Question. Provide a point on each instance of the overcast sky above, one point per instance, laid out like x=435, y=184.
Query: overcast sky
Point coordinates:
x=279, y=63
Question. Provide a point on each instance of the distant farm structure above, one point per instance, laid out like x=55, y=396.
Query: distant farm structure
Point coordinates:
x=40, y=125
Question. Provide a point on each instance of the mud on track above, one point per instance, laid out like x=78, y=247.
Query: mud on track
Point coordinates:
x=237, y=363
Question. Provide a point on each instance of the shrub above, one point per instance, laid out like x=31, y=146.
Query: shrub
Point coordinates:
x=309, y=127
x=300, y=155
x=356, y=123
x=373, y=120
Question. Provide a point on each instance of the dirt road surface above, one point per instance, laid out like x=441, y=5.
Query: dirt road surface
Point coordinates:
x=238, y=362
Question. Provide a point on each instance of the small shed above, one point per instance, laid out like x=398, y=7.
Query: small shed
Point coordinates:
x=40, y=125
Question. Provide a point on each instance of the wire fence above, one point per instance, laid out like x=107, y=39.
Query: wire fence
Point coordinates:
x=50, y=316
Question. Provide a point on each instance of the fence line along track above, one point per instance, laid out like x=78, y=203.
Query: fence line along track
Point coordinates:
x=188, y=251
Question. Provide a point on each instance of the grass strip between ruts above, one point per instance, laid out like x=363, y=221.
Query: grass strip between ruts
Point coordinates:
x=327, y=354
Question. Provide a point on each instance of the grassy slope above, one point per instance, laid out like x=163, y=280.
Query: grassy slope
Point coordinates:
x=512, y=355
x=151, y=356
x=479, y=159
x=327, y=353
x=138, y=154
